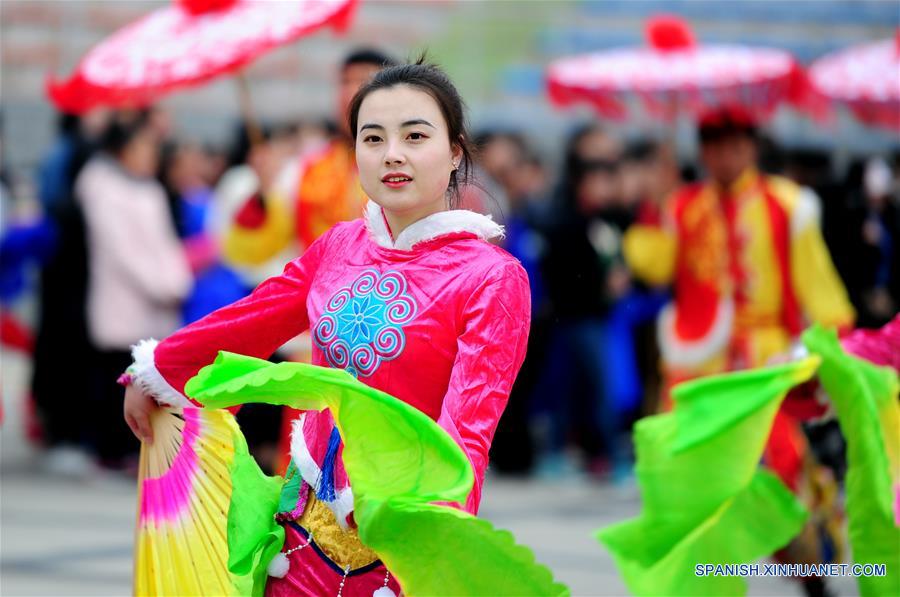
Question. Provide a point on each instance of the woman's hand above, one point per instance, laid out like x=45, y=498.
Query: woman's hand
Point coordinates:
x=138, y=407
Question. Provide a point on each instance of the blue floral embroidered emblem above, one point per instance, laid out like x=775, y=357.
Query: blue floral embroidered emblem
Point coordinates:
x=362, y=325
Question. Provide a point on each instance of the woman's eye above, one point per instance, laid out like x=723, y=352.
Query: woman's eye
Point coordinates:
x=416, y=136
x=371, y=139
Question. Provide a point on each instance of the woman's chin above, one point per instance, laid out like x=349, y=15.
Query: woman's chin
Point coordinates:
x=407, y=202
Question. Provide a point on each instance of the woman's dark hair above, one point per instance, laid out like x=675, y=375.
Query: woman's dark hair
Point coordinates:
x=368, y=56
x=574, y=166
x=67, y=124
x=241, y=144
x=434, y=81
x=123, y=127
x=573, y=171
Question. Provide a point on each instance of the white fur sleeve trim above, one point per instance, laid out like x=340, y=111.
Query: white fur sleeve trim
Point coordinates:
x=433, y=226
x=807, y=211
x=692, y=353
x=303, y=460
x=342, y=506
x=150, y=380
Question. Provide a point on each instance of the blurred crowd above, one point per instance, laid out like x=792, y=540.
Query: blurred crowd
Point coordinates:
x=127, y=239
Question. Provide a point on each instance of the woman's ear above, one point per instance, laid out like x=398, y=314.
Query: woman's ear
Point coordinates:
x=456, y=152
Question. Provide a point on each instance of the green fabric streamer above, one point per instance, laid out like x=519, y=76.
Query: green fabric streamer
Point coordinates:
x=399, y=462
x=253, y=535
x=705, y=499
x=865, y=400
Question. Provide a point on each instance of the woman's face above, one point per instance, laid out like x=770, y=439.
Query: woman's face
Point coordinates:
x=403, y=152
x=141, y=155
x=600, y=186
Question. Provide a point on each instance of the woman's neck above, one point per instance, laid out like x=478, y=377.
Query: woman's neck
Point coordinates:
x=398, y=221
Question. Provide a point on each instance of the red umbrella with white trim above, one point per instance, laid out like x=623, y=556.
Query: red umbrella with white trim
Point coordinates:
x=674, y=73
x=188, y=43
x=864, y=77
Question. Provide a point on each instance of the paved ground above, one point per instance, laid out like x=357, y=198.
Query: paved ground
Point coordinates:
x=61, y=537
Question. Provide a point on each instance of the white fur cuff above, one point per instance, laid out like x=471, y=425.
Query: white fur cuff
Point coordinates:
x=342, y=505
x=150, y=380
x=689, y=354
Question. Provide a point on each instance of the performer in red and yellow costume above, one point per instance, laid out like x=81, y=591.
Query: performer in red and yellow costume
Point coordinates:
x=745, y=256
x=312, y=193
x=749, y=269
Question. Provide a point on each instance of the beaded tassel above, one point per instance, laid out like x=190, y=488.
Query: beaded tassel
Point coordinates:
x=385, y=590
x=343, y=580
x=280, y=564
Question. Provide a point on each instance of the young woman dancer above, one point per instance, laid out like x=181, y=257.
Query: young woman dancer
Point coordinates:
x=411, y=299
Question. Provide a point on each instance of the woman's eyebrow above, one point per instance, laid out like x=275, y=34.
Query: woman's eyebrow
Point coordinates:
x=412, y=122
x=417, y=121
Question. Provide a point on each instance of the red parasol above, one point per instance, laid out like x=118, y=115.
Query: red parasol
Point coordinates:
x=188, y=43
x=674, y=73
x=866, y=78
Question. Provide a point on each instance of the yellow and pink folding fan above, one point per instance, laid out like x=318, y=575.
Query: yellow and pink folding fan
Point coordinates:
x=205, y=523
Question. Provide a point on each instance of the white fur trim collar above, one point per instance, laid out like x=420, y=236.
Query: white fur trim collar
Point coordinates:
x=150, y=380
x=433, y=226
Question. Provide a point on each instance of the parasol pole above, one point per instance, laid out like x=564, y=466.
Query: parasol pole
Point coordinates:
x=668, y=128
x=254, y=132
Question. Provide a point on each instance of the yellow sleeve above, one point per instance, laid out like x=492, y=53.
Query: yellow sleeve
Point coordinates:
x=650, y=253
x=818, y=286
x=255, y=246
